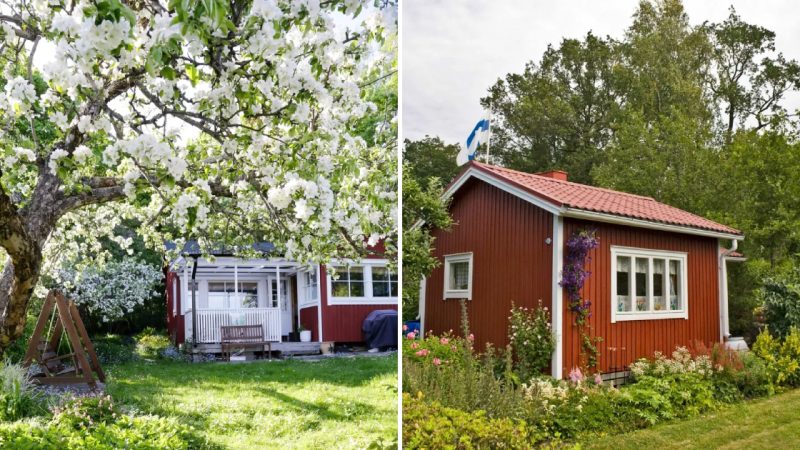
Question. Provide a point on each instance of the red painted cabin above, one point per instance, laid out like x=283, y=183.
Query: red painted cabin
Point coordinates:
x=658, y=278
x=234, y=291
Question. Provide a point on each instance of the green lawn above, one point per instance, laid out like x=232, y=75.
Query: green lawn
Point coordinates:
x=766, y=423
x=335, y=403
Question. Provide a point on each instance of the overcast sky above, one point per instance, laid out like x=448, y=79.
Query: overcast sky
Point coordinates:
x=454, y=50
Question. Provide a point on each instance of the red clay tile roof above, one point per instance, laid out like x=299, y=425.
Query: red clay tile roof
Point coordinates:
x=594, y=199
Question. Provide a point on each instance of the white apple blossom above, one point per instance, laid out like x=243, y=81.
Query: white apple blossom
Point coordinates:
x=242, y=125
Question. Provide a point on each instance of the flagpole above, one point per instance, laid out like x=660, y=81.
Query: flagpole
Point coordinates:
x=489, y=138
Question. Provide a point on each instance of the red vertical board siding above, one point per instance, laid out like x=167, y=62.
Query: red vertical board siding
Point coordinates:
x=641, y=338
x=512, y=261
x=308, y=318
x=342, y=323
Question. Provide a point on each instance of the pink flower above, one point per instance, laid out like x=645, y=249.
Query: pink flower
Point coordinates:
x=444, y=341
x=437, y=361
x=414, y=346
x=598, y=380
x=575, y=375
x=411, y=335
x=471, y=337
x=405, y=327
x=423, y=352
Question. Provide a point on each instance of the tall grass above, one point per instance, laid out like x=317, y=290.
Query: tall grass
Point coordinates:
x=18, y=398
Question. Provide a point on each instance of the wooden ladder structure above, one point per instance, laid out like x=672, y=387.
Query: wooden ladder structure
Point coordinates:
x=62, y=315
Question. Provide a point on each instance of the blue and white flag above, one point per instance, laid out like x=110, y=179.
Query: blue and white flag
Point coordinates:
x=479, y=135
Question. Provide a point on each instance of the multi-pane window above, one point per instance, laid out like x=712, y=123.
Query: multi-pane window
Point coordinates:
x=369, y=282
x=311, y=284
x=384, y=282
x=458, y=276
x=225, y=295
x=647, y=284
x=350, y=282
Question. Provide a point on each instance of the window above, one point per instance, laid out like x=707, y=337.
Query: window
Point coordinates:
x=369, y=282
x=350, y=282
x=224, y=295
x=384, y=282
x=311, y=285
x=458, y=276
x=273, y=283
x=647, y=284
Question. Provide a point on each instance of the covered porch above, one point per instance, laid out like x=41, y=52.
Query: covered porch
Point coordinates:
x=228, y=291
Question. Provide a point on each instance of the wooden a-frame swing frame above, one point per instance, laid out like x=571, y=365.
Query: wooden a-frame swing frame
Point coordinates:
x=43, y=349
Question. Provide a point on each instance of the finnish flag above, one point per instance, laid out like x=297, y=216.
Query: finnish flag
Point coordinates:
x=479, y=135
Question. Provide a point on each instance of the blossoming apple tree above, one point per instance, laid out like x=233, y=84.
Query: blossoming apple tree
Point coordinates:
x=218, y=119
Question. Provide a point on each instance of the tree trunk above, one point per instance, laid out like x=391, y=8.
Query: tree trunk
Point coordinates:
x=23, y=234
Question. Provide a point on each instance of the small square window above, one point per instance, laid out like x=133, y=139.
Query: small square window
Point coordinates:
x=458, y=276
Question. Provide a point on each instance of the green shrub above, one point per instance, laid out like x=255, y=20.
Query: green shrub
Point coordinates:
x=531, y=339
x=150, y=344
x=782, y=359
x=430, y=425
x=781, y=299
x=18, y=398
x=653, y=399
x=114, y=349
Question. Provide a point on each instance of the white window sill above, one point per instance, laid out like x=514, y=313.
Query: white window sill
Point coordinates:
x=362, y=301
x=458, y=295
x=654, y=315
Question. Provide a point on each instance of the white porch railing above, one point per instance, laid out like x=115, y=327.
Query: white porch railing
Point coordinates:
x=209, y=322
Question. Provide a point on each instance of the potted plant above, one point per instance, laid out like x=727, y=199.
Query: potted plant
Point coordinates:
x=305, y=335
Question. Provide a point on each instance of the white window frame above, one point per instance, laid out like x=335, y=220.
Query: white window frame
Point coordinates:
x=368, y=298
x=237, y=292
x=683, y=313
x=458, y=293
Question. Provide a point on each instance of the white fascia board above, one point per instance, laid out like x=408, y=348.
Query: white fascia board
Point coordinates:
x=502, y=185
x=610, y=218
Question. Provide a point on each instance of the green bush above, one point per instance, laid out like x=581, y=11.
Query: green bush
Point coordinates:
x=114, y=349
x=18, y=398
x=151, y=344
x=781, y=299
x=782, y=359
x=430, y=425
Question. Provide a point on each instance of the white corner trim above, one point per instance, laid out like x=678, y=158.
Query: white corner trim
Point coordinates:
x=454, y=293
x=421, y=304
x=557, y=304
x=319, y=302
x=630, y=221
x=617, y=316
x=500, y=184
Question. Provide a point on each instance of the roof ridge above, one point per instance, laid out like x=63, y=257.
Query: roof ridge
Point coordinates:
x=572, y=183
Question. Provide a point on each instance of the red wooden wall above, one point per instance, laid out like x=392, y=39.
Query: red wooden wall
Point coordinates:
x=308, y=318
x=512, y=261
x=342, y=323
x=636, y=339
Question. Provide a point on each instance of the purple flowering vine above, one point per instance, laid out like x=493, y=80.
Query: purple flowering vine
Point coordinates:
x=573, y=274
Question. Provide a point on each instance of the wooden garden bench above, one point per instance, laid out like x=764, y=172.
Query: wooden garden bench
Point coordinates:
x=244, y=336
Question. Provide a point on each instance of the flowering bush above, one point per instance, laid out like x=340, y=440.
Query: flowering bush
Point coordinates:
x=445, y=349
x=681, y=362
x=532, y=340
x=113, y=290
